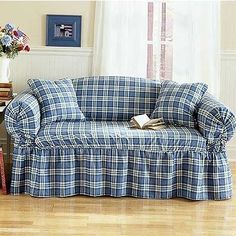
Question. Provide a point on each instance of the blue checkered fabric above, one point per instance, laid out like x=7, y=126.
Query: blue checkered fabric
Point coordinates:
x=215, y=122
x=177, y=103
x=57, y=100
x=63, y=172
x=118, y=135
x=22, y=117
x=113, y=98
x=105, y=157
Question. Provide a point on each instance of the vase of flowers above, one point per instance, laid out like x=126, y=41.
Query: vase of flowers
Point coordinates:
x=12, y=41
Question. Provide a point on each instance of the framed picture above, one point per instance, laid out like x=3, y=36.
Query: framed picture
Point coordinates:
x=63, y=30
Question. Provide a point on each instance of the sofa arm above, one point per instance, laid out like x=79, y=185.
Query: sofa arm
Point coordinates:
x=22, y=117
x=215, y=122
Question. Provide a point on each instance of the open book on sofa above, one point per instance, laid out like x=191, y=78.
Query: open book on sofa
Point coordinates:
x=144, y=122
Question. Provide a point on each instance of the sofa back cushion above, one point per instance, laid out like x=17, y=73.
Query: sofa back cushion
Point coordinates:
x=57, y=100
x=177, y=103
x=115, y=98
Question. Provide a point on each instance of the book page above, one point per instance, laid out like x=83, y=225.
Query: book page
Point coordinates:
x=157, y=121
x=141, y=120
x=155, y=127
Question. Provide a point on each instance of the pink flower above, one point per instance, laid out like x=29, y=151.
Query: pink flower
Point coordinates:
x=27, y=48
x=15, y=33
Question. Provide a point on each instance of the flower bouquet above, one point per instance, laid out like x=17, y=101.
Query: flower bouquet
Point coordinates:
x=12, y=41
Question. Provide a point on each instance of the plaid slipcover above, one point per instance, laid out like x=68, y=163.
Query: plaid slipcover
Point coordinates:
x=118, y=135
x=103, y=156
x=177, y=103
x=115, y=98
x=57, y=100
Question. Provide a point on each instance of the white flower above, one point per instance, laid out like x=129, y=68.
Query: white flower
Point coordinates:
x=20, y=40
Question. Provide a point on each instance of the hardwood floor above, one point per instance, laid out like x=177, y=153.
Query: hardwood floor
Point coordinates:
x=24, y=215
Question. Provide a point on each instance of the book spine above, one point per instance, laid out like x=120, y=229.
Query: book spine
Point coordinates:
x=3, y=176
x=5, y=94
x=5, y=89
x=6, y=98
x=5, y=85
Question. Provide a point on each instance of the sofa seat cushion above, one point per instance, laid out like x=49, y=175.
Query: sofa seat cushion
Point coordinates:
x=118, y=135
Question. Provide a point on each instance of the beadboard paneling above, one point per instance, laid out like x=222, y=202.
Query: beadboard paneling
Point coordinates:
x=228, y=90
x=50, y=63
x=228, y=79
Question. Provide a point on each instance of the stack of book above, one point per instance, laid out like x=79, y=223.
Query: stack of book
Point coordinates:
x=6, y=92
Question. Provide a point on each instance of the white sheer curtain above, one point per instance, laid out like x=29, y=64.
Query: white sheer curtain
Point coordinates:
x=120, y=38
x=189, y=40
x=196, y=42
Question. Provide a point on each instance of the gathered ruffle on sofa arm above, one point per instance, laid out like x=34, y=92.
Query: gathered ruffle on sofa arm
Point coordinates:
x=22, y=118
x=215, y=122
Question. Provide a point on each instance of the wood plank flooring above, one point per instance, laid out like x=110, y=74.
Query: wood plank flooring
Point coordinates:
x=25, y=215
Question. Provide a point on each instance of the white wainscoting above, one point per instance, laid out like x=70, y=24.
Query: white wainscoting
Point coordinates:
x=50, y=63
x=228, y=90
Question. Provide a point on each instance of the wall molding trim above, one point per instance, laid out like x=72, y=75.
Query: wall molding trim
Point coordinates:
x=228, y=54
x=66, y=51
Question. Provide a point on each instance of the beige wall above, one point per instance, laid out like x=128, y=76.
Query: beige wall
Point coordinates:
x=31, y=17
x=228, y=25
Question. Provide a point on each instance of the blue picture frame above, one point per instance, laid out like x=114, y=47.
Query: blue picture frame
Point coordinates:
x=63, y=30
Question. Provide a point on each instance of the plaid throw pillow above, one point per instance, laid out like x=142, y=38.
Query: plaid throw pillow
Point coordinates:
x=57, y=100
x=177, y=103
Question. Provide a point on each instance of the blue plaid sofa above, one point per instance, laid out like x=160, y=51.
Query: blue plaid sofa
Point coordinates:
x=103, y=156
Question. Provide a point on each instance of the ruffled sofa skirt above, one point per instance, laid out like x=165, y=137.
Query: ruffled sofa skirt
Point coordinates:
x=117, y=172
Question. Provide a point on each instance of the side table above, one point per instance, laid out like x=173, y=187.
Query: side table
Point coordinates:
x=8, y=150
